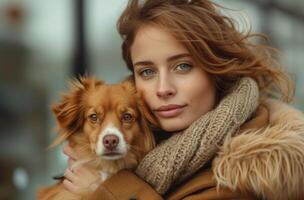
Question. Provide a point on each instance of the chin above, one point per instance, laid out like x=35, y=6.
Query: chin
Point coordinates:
x=174, y=126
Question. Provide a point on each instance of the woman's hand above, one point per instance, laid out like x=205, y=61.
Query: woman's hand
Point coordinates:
x=80, y=179
x=69, y=152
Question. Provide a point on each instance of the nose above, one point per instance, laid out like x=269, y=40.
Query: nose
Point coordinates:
x=110, y=142
x=165, y=88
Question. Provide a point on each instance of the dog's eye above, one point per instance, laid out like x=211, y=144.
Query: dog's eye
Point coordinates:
x=127, y=117
x=93, y=118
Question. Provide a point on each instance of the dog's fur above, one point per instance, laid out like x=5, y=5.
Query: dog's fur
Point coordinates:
x=85, y=135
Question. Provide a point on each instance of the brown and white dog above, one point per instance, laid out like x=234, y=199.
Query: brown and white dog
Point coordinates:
x=105, y=125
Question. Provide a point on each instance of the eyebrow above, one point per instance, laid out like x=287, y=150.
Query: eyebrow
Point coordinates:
x=170, y=59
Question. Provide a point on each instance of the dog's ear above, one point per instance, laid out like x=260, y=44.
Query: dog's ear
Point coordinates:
x=129, y=80
x=145, y=111
x=69, y=111
x=147, y=121
x=148, y=139
x=129, y=84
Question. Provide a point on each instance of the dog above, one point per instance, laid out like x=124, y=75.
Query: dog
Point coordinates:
x=106, y=125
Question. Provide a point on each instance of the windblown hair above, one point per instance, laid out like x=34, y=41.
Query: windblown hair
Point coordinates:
x=212, y=39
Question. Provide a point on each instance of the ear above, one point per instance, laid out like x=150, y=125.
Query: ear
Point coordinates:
x=129, y=85
x=145, y=111
x=148, y=120
x=148, y=139
x=69, y=111
x=129, y=79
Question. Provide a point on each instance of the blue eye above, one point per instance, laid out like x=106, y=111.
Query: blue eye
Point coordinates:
x=183, y=67
x=147, y=72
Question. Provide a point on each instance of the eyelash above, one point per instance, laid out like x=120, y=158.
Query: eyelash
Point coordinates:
x=141, y=72
x=189, y=67
x=144, y=70
x=94, y=118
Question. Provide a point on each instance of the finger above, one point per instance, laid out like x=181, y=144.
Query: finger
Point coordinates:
x=68, y=151
x=70, y=186
x=85, y=171
x=71, y=162
x=69, y=174
x=88, y=172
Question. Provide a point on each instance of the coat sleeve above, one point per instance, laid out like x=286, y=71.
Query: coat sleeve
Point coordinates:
x=125, y=185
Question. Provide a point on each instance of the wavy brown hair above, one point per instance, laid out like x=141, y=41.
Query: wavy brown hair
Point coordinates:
x=213, y=40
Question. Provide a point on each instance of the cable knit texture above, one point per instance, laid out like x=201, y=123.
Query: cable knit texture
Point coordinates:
x=186, y=152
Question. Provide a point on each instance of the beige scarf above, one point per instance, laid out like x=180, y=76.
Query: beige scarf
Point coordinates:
x=183, y=154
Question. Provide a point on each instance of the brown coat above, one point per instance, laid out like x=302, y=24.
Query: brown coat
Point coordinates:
x=264, y=161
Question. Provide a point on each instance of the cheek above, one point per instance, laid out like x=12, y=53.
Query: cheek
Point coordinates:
x=91, y=132
x=131, y=133
x=204, y=96
x=146, y=89
x=200, y=92
x=87, y=127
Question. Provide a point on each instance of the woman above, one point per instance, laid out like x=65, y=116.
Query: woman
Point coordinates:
x=208, y=86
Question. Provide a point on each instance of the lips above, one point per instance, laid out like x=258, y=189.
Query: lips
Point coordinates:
x=112, y=155
x=169, y=111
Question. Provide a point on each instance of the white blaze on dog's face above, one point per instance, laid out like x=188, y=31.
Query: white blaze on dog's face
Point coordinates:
x=112, y=120
x=111, y=144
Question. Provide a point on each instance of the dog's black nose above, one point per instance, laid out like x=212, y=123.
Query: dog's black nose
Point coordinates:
x=110, y=142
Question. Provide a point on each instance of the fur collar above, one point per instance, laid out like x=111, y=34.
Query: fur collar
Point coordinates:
x=267, y=162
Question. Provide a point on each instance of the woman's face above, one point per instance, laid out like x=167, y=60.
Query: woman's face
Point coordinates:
x=174, y=86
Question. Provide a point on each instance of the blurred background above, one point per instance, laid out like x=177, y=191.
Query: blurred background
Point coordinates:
x=45, y=43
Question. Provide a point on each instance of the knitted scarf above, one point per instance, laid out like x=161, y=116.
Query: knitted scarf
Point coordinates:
x=184, y=153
